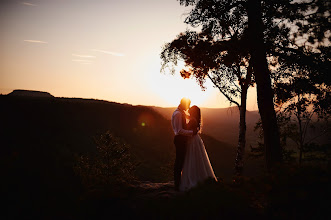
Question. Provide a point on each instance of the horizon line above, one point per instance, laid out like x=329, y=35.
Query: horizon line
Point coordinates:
x=96, y=99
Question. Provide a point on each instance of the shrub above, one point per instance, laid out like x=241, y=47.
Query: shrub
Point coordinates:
x=110, y=164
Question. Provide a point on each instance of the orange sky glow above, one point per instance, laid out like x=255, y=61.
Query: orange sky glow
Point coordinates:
x=101, y=49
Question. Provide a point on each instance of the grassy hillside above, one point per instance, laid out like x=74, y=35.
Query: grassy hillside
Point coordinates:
x=61, y=126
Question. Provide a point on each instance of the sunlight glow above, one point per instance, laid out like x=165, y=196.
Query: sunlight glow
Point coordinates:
x=172, y=88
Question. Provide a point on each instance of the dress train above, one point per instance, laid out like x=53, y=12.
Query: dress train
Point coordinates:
x=197, y=167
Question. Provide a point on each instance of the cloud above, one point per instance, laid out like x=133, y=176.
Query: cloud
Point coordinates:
x=109, y=52
x=28, y=4
x=36, y=41
x=78, y=60
x=82, y=61
x=83, y=56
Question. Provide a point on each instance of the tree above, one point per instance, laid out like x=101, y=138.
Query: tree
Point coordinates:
x=301, y=123
x=269, y=30
x=303, y=97
x=111, y=164
x=302, y=93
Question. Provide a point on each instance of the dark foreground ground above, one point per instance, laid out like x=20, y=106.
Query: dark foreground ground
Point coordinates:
x=289, y=193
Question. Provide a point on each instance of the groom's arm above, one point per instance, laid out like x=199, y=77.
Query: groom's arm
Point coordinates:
x=179, y=126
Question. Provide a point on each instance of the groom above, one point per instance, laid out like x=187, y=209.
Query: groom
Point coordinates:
x=178, y=121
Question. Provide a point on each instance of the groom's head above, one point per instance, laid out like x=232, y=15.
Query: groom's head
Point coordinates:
x=185, y=103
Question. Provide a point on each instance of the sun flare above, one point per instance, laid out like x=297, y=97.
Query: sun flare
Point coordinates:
x=173, y=88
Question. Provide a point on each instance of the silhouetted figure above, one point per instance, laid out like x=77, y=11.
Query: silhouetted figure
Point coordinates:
x=178, y=122
x=196, y=168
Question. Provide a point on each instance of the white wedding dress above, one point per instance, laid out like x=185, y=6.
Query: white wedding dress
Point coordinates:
x=197, y=167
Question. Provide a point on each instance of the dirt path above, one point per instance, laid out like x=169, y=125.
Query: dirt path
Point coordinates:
x=152, y=190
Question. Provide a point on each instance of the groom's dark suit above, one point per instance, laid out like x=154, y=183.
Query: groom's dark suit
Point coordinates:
x=180, y=141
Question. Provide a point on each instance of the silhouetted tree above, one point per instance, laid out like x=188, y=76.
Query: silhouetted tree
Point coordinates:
x=270, y=29
x=299, y=122
x=302, y=91
x=285, y=132
x=304, y=96
x=111, y=164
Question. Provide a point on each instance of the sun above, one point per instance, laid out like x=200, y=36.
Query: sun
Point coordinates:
x=172, y=88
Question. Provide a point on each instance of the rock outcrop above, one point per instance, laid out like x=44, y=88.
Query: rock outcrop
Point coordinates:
x=30, y=93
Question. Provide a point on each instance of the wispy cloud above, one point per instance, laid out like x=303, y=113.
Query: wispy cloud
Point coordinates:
x=82, y=61
x=28, y=4
x=36, y=41
x=83, y=56
x=78, y=60
x=109, y=52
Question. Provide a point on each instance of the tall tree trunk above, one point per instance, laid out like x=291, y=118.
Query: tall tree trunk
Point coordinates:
x=300, y=136
x=301, y=143
x=239, y=163
x=273, y=153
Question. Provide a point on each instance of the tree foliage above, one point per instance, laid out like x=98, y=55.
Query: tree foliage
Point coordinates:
x=111, y=164
x=223, y=62
x=293, y=31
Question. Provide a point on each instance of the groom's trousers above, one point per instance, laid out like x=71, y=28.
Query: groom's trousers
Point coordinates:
x=180, y=145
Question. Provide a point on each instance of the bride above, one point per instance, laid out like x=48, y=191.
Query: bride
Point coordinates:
x=197, y=167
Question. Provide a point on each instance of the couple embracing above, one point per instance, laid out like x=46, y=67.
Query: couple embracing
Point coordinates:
x=192, y=165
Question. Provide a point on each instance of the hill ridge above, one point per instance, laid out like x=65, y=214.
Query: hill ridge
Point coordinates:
x=30, y=93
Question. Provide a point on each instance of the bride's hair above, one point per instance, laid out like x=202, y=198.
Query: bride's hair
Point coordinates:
x=196, y=113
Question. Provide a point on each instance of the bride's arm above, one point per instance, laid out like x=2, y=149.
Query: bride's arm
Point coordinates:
x=193, y=126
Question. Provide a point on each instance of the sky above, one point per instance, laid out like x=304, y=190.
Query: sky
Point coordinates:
x=100, y=49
